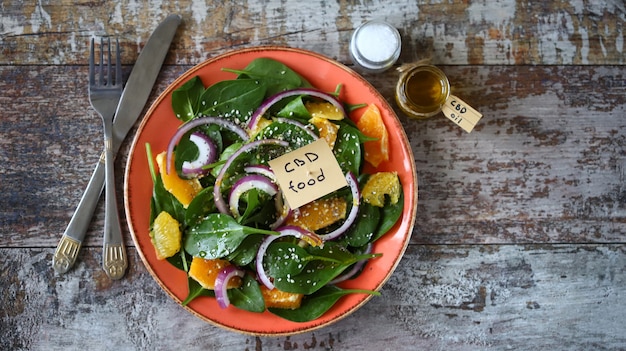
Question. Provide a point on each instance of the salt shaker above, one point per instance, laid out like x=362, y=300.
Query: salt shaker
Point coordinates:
x=375, y=46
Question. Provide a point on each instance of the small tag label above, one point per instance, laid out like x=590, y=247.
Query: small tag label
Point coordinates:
x=461, y=113
x=308, y=173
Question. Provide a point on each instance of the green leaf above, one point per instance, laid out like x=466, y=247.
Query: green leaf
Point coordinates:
x=348, y=149
x=201, y=205
x=275, y=75
x=234, y=100
x=185, y=100
x=295, y=109
x=296, y=136
x=217, y=236
x=390, y=215
x=361, y=232
x=196, y=290
x=246, y=252
x=248, y=296
x=324, y=264
x=315, y=305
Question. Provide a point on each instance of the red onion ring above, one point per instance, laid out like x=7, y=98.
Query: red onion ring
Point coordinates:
x=217, y=191
x=282, y=207
x=252, y=181
x=268, y=103
x=356, y=201
x=207, y=153
x=221, y=284
x=198, y=122
x=297, y=232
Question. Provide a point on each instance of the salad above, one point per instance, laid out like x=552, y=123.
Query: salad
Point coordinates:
x=218, y=213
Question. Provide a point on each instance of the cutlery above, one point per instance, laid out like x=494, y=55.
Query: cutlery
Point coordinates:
x=134, y=97
x=104, y=95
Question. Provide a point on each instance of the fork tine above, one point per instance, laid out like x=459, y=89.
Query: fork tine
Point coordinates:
x=109, y=73
x=91, y=64
x=118, y=63
x=100, y=76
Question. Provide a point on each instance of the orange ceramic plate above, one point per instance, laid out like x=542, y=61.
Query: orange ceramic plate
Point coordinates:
x=159, y=125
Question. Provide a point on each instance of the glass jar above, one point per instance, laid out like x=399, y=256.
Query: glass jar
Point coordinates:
x=375, y=46
x=422, y=90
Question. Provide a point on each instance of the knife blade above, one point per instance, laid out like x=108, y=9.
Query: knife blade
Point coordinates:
x=134, y=97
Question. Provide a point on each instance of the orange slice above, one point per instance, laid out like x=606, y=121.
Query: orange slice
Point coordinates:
x=206, y=271
x=166, y=235
x=319, y=214
x=323, y=110
x=380, y=184
x=279, y=299
x=183, y=189
x=371, y=124
x=327, y=129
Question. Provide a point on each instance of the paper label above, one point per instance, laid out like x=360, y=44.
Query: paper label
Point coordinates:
x=308, y=173
x=461, y=113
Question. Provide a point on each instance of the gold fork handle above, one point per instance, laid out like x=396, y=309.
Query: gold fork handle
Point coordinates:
x=114, y=256
x=114, y=261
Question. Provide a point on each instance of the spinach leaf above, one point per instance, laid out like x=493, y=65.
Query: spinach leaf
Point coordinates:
x=361, y=232
x=295, y=109
x=348, y=149
x=260, y=209
x=246, y=252
x=186, y=150
x=390, y=215
x=284, y=259
x=196, y=290
x=317, y=304
x=294, y=135
x=186, y=99
x=275, y=75
x=201, y=205
x=324, y=264
x=217, y=236
x=248, y=296
x=234, y=100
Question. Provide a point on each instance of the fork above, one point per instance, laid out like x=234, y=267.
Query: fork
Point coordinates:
x=105, y=91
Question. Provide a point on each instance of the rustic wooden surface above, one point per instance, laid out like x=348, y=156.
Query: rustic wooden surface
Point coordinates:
x=520, y=237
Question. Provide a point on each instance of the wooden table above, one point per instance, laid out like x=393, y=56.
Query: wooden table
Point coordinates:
x=520, y=236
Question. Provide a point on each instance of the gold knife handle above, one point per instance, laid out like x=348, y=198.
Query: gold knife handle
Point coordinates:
x=115, y=261
x=65, y=254
x=79, y=224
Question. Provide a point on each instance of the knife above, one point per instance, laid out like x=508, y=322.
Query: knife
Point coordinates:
x=134, y=97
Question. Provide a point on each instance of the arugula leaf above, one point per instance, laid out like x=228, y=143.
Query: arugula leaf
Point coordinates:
x=217, y=236
x=315, y=305
x=185, y=100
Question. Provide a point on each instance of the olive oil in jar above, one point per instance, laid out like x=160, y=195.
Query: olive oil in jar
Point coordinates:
x=422, y=90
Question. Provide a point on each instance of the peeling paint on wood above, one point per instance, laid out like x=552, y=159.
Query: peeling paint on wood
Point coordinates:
x=477, y=32
x=455, y=298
